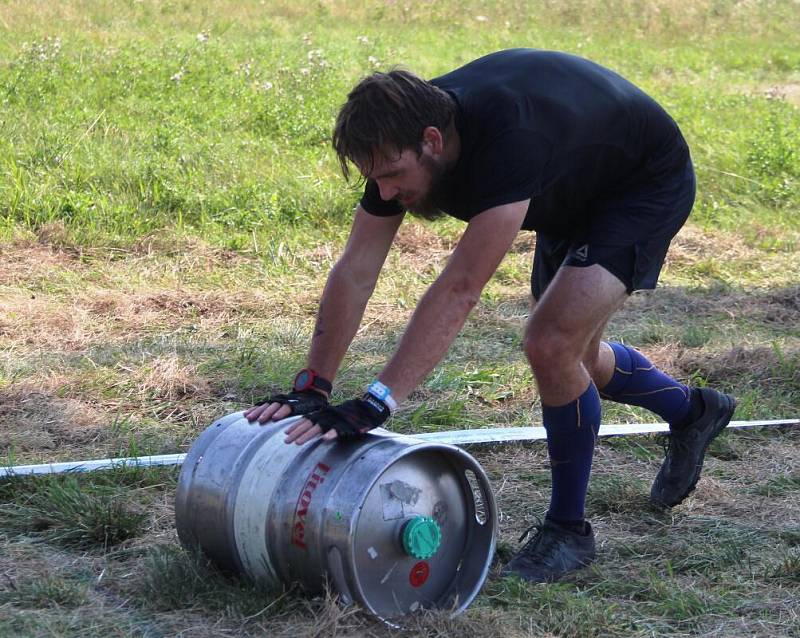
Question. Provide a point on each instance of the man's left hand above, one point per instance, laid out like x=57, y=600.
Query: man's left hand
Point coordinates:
x=349, y=419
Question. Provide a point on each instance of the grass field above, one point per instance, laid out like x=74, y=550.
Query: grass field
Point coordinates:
x=170, y=206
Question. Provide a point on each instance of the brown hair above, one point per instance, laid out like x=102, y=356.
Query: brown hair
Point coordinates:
x=388, y=112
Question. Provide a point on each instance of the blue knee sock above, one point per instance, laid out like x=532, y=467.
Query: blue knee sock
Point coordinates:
x=571, y=433
x=636, y=381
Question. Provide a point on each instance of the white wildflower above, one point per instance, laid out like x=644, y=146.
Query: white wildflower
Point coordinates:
x=362, y=39
x=203, y=37
x=178, y=76
x=374, y=62
x=266, y=86
x=481, y=18
x=305, y=71
x=47, y=49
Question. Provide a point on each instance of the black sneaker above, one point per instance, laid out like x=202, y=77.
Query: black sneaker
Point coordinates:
x=687, y=449
x=552, y=552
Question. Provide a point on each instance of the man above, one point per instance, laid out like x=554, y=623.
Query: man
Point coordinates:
x=532, y=140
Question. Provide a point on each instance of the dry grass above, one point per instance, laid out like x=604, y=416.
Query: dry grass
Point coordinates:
x=25, y=262
x=747, y=256
x=55, y=301
x=692, y=245
x=419, y=241
x=167, y=378
x=652, y=16
x=38, y=422
x=117, y=351
x=722, y=526
x=764, y=368
x=788, y=91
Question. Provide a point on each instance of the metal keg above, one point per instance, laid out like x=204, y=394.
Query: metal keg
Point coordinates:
x=393, y=523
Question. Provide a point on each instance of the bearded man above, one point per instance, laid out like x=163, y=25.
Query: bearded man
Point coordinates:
x=517, y=140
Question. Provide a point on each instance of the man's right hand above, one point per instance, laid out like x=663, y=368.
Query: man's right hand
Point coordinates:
x=281, y=406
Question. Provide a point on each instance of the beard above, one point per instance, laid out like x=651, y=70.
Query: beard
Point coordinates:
x=426, y=206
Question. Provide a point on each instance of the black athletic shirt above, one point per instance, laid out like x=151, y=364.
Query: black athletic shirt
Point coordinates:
x=552, y=127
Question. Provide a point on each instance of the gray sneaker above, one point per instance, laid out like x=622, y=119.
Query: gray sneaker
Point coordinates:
x=552, y=552
x=687, y=449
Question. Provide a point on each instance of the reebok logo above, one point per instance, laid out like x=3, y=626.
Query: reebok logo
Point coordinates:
x=581, y=253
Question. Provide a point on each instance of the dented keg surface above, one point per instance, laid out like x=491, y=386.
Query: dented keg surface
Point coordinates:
x=394, y=523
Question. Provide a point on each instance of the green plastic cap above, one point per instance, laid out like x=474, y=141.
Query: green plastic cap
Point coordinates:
x=421, y=537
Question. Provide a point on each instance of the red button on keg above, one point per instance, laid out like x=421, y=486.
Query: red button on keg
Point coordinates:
x=419, y=574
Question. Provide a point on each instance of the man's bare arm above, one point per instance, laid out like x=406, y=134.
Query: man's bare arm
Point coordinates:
x=347, y=291
x=444, y=308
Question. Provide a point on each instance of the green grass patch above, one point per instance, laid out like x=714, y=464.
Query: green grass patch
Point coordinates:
x=780, y=485
x=174, y=579
x=790, y=536
x=642, y=448
x=65, y=511
x=787, y=570
x=437, y=415
x=617, y=494
x=45, y=591
x=558, y=609
x=727, y=447
x=226, y=136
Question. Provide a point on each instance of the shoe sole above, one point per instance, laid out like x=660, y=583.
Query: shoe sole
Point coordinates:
x=550, y=579
x=722, y=423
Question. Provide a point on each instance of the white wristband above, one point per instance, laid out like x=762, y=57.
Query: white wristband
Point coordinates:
x=383, y=393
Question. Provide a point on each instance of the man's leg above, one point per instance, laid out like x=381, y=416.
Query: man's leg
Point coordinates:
x=695, y=416
x=559, y=337
x=636, y=381
x=560, y=333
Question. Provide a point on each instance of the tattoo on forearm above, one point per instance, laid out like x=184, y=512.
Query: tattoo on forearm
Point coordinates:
x=318, y=331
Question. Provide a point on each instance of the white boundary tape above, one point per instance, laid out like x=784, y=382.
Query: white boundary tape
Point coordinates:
x=455, y=437
x=507, y=435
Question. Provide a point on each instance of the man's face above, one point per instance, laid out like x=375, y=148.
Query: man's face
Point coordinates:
x=408, y=178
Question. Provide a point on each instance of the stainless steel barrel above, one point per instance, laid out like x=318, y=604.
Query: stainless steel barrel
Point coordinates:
x=395, y=524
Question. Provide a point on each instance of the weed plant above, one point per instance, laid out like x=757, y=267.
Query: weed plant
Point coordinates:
x=63, y=511
x=49, y=591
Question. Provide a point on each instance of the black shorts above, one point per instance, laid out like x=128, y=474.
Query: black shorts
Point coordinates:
x=628, y=235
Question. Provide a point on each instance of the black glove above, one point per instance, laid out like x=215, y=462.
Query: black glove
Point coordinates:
x=352, y=418
x=301, y=402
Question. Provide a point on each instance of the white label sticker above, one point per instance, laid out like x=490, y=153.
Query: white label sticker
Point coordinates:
x=372, y=553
